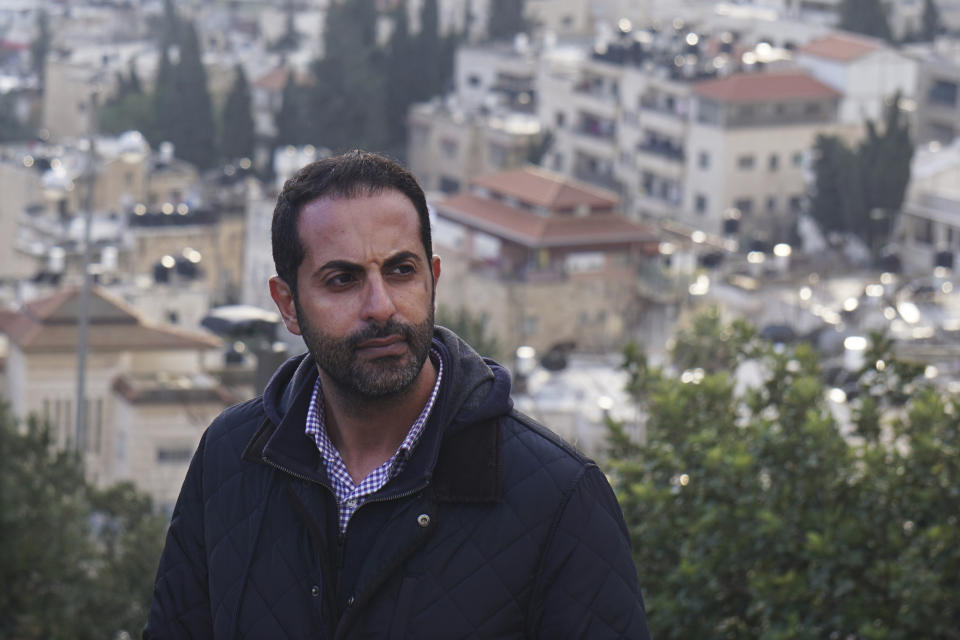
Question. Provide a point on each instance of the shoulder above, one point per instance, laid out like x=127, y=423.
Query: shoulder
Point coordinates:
x=221, y=449
x=534, y=455
x=235, y=422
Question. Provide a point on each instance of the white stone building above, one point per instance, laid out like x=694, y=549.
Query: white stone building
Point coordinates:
x=866, y=71
x=149, y=394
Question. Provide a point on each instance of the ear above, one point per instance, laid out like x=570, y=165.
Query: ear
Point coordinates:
x=283, y=298
x=435, y=266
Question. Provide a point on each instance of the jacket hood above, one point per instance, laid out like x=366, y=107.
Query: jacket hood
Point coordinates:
x=481, y=391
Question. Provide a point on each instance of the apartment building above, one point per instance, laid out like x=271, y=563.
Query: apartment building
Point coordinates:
x=927, y=231
x=486, y=125
x=748, y=141
x=938, y=91
x=582, y=111
x=448, y=146
x=654, y=125
x=148, y=394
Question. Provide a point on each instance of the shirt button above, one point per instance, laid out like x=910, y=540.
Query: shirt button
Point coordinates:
x=350, y=601
x=352, y=503
x=315, y=591
x=423, y=520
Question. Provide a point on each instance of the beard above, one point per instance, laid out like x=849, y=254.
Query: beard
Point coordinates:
x=374, y=378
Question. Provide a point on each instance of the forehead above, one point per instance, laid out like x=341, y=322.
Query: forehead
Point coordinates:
x=335, y=227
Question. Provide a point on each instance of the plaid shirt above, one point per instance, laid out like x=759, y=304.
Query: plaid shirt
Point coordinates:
x=349, y=495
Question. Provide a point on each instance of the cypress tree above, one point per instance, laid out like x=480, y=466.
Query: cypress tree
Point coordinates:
x=40, y=46
x=885, y=157
x=506, y=19
x=165, y=102
x=236, y=130
x=930, y=20
x=836, y=202
x=866, y=17
x=428, y=51
x=861, y=190
x=194, y=134
x=402, y=70
x=292, y=124
x=347, y=101
x=133, y=79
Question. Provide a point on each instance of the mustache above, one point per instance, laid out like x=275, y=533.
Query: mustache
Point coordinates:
x=374, y=331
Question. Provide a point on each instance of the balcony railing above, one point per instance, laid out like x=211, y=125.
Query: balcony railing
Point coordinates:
x=662, y=150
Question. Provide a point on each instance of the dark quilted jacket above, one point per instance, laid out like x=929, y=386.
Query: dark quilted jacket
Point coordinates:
x=495, y=529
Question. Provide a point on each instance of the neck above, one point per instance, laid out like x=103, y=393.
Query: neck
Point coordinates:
x=367, y=431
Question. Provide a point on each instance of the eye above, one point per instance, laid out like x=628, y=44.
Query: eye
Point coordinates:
x=403, y=269
x=340, y=280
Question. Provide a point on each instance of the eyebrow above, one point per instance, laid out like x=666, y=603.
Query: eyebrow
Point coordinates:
x=352, y=267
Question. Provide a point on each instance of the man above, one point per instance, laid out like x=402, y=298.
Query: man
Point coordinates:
x=383, y=486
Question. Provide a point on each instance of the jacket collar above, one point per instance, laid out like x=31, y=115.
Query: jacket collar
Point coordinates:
x=459, y=457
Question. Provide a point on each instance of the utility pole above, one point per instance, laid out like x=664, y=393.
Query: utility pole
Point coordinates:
x=83, y=315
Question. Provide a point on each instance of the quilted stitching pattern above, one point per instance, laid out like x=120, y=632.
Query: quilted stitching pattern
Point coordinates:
x=550, y=560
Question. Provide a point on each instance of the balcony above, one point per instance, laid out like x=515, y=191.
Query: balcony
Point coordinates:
x=669, y=124
x=665, y=166
x=602, y=148
x=604, y=104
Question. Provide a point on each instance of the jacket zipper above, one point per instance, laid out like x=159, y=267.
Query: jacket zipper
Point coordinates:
x=280, y=467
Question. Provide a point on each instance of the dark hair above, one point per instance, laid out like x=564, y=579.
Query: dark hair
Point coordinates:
x=349, y=175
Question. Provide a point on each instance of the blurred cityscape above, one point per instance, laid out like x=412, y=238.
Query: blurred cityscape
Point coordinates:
x=597, y=172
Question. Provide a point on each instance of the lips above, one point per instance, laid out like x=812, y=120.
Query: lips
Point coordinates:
x=379, y=347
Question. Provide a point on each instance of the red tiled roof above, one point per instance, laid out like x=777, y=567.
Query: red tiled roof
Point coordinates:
x=536, y=231
x=841, y=46
x=762, y=87
x=543, y=188
x=50, y=324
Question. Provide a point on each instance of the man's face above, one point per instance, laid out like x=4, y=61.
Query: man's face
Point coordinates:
x=366, y=288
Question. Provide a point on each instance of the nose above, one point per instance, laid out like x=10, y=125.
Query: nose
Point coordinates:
x=378, y=304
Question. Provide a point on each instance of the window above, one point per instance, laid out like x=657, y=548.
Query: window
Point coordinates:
x=473, y=80
x=449, y=146
x=647, y=180
x=498, y=154
x=560, y=118
x=177, y=454
x=745, y=205
x=773, y=162
x=585, y=262
x=700, y=204
x=703, y=159
x=944, y=93
x=798, y=159
x=812, y=108
x=796, y=204
x=530, y=325
x=449, y=185
x=942, y=131
x=419, y=134
x=745, y=162
x=771, y=203
x=923, y=231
